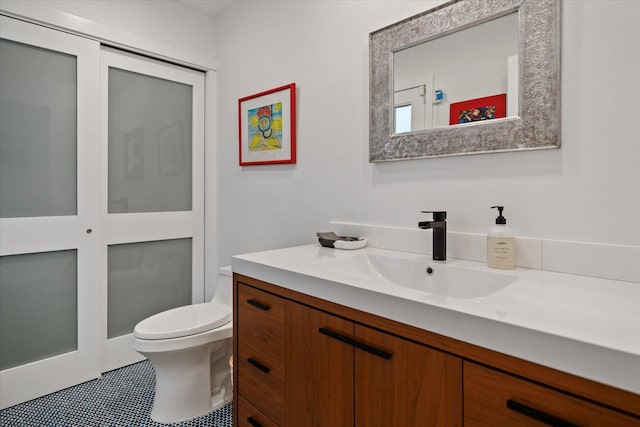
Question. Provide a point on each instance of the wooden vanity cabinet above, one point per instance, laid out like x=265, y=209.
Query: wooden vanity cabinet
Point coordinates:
x=336, y=372
x=319, y=365
x=340, y=373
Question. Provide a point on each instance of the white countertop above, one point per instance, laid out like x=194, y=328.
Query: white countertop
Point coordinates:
x=582, y=325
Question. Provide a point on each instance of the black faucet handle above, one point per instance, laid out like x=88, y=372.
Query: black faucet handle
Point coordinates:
x=437, y=215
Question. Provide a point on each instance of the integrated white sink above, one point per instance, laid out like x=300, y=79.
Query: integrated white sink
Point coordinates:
x=440, y=279
x=412, y=271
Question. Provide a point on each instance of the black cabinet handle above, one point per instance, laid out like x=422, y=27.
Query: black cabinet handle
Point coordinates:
x=537, y=415
x=372, y=350
x=357, y=344
x=258, y=304
x=337, y=336
x=253, y=422
x=258, y=365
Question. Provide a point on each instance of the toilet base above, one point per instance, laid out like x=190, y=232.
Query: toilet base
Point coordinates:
x=183, y=389
x=222, y=398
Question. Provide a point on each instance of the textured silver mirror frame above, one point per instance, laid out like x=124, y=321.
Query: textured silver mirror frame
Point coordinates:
x=537, y=126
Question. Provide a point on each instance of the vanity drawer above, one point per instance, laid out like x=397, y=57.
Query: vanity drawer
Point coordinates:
x=261, y=380
x=249, y=416
x=261, y=319
x=495, y=399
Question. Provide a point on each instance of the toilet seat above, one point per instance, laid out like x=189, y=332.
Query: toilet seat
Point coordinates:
x=183, y=321
x=182, y=343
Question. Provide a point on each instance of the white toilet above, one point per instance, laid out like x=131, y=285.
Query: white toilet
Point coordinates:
x=189, y=348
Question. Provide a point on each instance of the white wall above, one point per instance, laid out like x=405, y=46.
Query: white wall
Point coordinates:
x=167, y=22
x=588, y=190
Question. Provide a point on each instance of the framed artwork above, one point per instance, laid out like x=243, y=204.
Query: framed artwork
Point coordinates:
x=267, y=127
x=478, y=109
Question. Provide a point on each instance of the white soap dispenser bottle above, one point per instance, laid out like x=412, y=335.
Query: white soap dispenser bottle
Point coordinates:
x=501, y=244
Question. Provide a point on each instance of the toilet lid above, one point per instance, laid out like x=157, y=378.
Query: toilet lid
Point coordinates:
x=183, y=321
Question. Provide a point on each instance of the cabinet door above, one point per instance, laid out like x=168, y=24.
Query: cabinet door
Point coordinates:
x=415, y=386
x=319, y=369
x=495, y=399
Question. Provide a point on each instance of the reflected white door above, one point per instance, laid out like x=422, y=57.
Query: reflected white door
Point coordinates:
x=153, y=204
x=413, y=106
x=409, y=106
x=49, y=235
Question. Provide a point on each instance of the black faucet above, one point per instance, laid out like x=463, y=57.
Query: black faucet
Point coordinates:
x=439, y=227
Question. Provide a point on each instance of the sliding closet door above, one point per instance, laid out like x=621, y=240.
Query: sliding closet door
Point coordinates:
x=153, y=204
x=49, y=238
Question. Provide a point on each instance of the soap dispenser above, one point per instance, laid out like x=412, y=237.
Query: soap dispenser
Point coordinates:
x=501, y=244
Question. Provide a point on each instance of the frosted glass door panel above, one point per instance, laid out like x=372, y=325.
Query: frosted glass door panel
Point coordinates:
x=38, y=306
x=37, y=131
x=153, y=205
x=144, y=279
x=150, y=125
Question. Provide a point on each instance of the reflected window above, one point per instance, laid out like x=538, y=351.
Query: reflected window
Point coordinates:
x=402, y=119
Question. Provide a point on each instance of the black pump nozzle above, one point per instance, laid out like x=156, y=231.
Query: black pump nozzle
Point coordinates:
x=500, y=219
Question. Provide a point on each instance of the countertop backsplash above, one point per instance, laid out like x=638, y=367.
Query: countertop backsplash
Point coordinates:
x=607, y=261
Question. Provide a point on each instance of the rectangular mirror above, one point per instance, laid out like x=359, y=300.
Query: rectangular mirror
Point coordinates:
x=469, y=76
x=434, y=82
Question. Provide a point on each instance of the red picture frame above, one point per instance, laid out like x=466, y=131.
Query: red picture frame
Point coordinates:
x=267, y=127
x=478, y=109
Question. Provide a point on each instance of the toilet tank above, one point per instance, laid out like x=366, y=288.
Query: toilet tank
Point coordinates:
x=224, y=287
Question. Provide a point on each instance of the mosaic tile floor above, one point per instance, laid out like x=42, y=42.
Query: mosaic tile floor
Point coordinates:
x=121, y=398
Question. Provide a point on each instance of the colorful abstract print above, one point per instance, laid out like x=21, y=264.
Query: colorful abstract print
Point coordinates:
x=265, y=128
x=477, y=114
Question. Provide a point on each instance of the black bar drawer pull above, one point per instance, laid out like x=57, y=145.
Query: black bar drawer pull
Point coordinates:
x=372, y=350
x=335, y=335
x=258, y=304
x=258, y=365
x=537, y=415
x=253, y=422
x=357, y=344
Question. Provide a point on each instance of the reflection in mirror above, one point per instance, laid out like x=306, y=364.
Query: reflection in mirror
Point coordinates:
x=477, y=63
x=466, y=77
